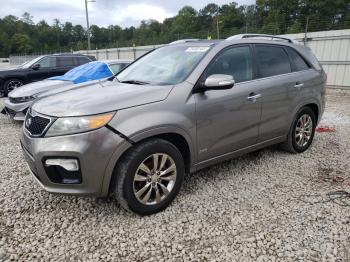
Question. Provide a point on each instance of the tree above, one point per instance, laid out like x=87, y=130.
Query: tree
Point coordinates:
x=27, y=18
x=186, y=21
x=5, y=45
x=206, y=16
x=22, y=35
x=21, y=44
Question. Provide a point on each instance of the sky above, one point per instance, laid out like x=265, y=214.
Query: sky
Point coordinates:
x=124, y=13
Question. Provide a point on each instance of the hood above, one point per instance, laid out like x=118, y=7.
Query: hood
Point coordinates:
x=64, y=87
x=101, y=97
x=12, y=69
x=37, y=88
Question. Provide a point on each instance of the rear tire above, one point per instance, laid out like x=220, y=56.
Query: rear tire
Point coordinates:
x=11, y=85
x=149, y=176
x=302, y=131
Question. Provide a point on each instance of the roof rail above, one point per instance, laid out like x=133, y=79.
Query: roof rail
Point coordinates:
x=184, y=41
x=262, y=36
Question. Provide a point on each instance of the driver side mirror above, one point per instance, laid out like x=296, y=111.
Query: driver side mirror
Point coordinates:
x=219, y=82
x=35, y=66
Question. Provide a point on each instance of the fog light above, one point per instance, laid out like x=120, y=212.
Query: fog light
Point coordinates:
x=67, y=164
x=63, y=170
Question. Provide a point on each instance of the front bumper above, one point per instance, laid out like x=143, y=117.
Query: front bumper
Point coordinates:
x=97, y=151
x=16, y=111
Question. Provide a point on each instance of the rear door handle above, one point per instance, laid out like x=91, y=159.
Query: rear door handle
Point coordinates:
x=253, y=97
x=299, y=85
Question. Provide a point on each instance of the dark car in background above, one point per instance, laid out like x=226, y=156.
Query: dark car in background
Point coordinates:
x=40, y=68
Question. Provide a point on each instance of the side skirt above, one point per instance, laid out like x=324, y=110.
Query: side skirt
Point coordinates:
x=237, y=153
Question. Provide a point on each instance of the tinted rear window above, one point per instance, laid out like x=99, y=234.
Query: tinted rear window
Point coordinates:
x=272, y=60
x=299, y=63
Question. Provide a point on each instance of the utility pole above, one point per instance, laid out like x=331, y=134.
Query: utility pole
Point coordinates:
x=306, y=30
x=217, y=27
x=87, y=22
x=246, y=18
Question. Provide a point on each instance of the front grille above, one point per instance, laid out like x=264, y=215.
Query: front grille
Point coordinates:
x=36, y=125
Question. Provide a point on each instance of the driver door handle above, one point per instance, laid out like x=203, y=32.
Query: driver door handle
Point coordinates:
x=253, y=97
x=298, y=85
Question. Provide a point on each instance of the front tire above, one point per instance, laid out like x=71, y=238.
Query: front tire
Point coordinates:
x=149, y=176
x=302, y=131
x=12, y=84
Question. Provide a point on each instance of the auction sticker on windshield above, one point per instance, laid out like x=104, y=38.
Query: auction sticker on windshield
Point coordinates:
x=197, y=49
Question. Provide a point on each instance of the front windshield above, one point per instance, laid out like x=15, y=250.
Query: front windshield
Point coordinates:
x=168, y=65
x=30, y=63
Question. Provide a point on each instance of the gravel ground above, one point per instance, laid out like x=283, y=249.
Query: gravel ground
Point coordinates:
x=265, y=206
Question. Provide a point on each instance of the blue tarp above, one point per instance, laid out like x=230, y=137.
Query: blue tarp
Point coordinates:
x=87, y=72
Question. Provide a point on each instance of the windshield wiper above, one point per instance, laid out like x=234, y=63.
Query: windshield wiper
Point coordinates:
x=135, y=82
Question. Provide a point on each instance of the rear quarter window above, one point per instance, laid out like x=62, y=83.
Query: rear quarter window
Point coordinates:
x=81, y=60
x=272, y=61
x=299, y=64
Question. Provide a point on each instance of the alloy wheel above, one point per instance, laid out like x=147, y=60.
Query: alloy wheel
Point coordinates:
x=13, y=84
x=303, y=130
x=154, y=179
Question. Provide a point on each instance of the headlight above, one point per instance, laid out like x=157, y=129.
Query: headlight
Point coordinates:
x=22, y=99
x=73, y=125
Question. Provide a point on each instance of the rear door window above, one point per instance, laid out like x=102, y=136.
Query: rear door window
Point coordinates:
x=272, y=61
x=235, y=61
x=299, y=63
x=65, y=61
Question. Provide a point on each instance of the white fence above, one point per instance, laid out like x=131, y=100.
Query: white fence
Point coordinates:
x=332, y=49
x=21, y=59
x=129, y=53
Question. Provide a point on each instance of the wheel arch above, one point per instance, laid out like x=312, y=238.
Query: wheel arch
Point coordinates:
x=5, y=79
x=19, y=77
x=314, y=107
x=313, y=104
x=176, y=136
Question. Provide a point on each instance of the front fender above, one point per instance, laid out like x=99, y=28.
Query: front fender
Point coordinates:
x=154, y=119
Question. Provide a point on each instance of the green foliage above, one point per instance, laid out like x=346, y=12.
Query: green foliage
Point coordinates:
x=21, y=43
x=22, y=35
